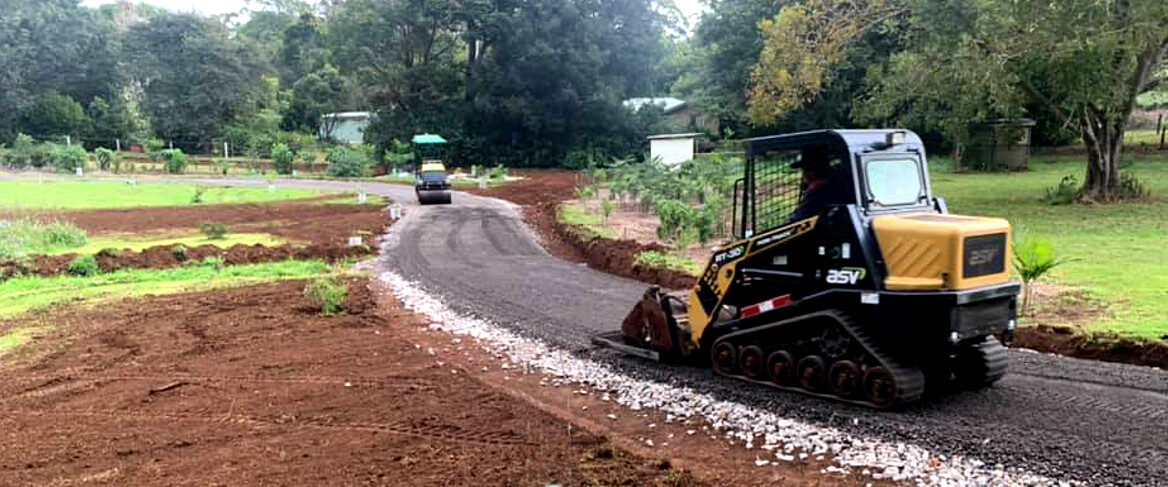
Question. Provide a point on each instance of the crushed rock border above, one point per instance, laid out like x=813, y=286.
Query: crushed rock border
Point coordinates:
x=783, y=438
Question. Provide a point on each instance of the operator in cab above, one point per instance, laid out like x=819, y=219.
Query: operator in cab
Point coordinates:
x=819, y=188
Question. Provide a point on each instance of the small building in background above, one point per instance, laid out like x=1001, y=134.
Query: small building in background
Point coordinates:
x=345, y=127
x=682, y=115
x=673, y=148
x=997, y=145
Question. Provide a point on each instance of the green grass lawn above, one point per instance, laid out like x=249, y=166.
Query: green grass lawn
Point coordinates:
x=1141, y=137
x=78, y=195
x=1115, y=250
x=591, y=222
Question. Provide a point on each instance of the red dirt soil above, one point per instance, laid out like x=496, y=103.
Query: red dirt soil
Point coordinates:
x=303, y=220
x=247, y=386
x=541, y=193
x=165, y=257
x=1108, y=348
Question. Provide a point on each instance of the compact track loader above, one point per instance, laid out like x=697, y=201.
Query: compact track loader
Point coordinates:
x=858, y=286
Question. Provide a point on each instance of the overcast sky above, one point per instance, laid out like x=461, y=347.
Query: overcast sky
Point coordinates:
x=689, y=7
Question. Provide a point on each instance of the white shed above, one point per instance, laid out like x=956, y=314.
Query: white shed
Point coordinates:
x=673, y=148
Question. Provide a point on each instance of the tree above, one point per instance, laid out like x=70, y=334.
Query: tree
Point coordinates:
x=117, y=120
x=1083, y=61
x=320, y=92
x=53, y=114
x=726, y=45
x=197, y=78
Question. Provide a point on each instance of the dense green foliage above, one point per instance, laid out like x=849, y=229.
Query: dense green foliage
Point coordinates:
x=348, y=163
x=327, y=295
x=26, y=237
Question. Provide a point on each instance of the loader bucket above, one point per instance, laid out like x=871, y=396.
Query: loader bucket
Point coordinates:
x=647, y=325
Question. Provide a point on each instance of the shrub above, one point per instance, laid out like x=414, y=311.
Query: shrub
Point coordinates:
x=1131, y=188
x=283, y=159
x=214, y=262
x=175, y=160
x=84, y=266
x=105, y=158
x=20, y=154
x=108, y=253
x=497, y=172
x=223, y=166
x=606, y=207
x=67, y=158
x=1065, y=193
x=213, y=231
x=347, y=163
x=21, y=237
x=326, y=295
x=179, y=252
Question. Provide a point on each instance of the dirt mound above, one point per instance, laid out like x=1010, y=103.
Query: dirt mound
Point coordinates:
x=305, y=220
x=1105, y=347
x=167, y=256
x=247, y=386
x=540, y=194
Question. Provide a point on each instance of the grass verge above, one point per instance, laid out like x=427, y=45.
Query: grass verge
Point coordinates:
x=669, y=261
x=586, y=221
x=22, y=237
x=21, y=195
x=22, y=295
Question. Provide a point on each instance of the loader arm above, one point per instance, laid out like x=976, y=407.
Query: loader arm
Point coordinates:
x=709, y=295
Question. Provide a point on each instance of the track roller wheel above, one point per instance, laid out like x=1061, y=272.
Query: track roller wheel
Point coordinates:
x=880, y=387
x=812, y=373
x=725, y=358
x=753, y=362
x=844, y=377
x=781, y=367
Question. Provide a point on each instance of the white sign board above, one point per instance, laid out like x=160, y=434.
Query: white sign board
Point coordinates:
x=672, y=150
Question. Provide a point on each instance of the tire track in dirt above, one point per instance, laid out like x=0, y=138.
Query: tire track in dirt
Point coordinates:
x=438, y=431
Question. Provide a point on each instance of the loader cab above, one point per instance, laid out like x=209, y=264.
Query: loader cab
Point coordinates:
x=878, y=171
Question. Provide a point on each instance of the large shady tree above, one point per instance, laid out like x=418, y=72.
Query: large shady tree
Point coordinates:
x=963, y=60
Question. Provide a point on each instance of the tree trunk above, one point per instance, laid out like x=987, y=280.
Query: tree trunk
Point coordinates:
x=1103, y=137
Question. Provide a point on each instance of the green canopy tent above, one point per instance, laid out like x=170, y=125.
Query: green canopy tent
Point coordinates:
x=428, y=147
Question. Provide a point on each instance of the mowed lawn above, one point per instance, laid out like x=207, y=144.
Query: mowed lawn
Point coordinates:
x=1118, y=253
x=21, y=195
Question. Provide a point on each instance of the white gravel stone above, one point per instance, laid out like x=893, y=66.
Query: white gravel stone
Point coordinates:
x=898, y=462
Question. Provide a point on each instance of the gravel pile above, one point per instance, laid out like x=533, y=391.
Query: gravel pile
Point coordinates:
x=783, y=439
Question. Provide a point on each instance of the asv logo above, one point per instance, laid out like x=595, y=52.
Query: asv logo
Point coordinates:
x=847, y=275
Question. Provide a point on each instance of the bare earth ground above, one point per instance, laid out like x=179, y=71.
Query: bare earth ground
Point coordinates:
x=304, y=220
x=246, y=386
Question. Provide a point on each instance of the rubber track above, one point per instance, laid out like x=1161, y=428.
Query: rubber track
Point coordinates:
x=910, y=378
x=994, y=358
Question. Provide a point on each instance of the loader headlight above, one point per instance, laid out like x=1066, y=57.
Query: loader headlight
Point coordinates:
x=954, y=337
x=894, y=138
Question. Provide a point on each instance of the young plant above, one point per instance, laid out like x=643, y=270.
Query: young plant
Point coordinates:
x=606, y=207
x=197, y=198
x=327, y=295
x=283, y=159
x=213, y=231
x=105, y=158
x=84, y=266
x=179, y=252
x=1033, y=259
x=174, y=160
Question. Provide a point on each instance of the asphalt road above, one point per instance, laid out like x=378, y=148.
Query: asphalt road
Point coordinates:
x=1064, y=418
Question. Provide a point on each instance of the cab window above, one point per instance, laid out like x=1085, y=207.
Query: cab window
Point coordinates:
x=894, y=182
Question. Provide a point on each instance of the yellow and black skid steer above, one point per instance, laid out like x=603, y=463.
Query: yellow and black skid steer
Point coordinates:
x=847, y=280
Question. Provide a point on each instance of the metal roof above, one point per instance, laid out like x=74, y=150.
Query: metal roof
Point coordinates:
x=667, y=104
x=428, y=139
x=854, y=140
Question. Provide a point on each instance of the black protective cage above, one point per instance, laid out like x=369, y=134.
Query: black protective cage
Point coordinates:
x=771, y=189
